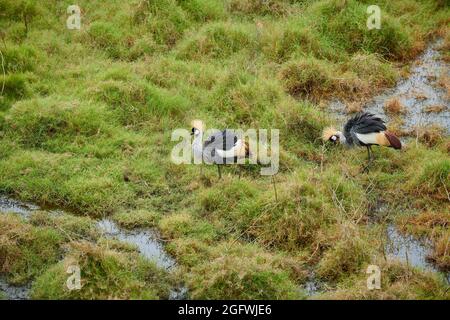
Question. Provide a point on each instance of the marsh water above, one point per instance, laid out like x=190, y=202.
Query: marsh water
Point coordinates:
x=22, y=208
x=417, y=92
x=12, y=292
x=145, y=240
x=148, y=244
x=399, y=247
x=410, y=250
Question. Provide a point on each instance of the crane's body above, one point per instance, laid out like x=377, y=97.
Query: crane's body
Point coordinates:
x=363, y=130
x=222, y=147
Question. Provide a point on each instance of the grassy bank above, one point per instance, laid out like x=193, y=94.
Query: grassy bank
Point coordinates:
x=86, y=119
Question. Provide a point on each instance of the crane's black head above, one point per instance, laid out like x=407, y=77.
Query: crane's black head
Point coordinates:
x=330, y=134
x=197, y=127
x=334, y=138
x=194, y=131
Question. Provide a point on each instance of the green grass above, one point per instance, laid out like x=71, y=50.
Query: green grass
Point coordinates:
x=19, y=58
x=86, y=119
x=136, y=219
x=105, y=274
x=72, y=227
x=398, y=282
x=26, y=251
x=241, y=272
x=42, y=249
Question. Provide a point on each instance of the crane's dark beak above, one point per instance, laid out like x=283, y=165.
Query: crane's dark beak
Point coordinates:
x=192, y=131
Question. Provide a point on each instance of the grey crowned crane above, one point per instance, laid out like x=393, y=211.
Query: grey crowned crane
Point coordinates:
x=363, y=130
x=222, y=147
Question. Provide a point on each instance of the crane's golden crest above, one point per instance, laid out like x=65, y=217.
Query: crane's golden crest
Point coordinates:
x=328, y=132
x=197, y=124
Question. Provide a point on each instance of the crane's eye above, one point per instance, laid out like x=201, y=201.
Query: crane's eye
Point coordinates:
x=334, y=138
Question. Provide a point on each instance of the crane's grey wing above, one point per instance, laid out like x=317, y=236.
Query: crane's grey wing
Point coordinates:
x=362, y=123
x=222, y=140
x=217, y=144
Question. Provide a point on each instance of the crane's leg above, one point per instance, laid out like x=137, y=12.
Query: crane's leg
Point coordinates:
x=220, y=172
x=370, y=158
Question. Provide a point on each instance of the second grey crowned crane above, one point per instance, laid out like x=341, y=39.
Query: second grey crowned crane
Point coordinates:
x=222, y=147
x=364, y=130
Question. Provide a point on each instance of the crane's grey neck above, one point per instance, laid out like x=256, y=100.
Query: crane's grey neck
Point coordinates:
x=197, y=144
x=342, y=139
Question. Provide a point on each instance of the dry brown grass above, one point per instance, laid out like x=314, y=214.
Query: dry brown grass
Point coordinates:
x=441, y=252
x=430, y=135
x=405, y=71
x=273, y=7
x=436, y=108
x=422, y=224
x=419, y=95
x=395, y=126
x=398, y=281
x=444, y=82
x=353, y=107
x=445, y=47
x=394, y=106
x=417, y=48
x=317, y=79
x=433, y=225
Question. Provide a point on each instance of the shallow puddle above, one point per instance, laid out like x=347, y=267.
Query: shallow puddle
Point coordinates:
x=409, y=250
x=399, y=246
x=22, y=208
x=148, y=245
x=11, y=292
x=313, y=286
x=146, y=241
x=417, y=92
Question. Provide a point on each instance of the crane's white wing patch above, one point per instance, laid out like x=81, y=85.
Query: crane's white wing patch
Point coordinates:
x=368, y=138
x=232, y=152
